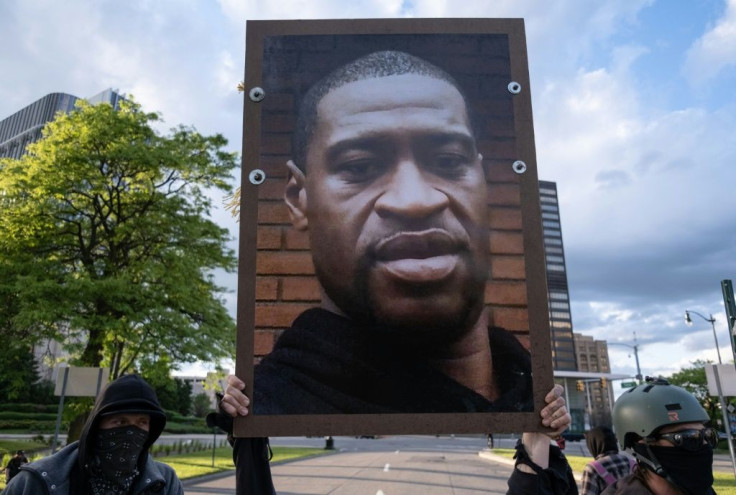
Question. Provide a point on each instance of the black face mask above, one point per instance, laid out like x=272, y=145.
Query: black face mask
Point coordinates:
x=116, y=453
x=691, y=470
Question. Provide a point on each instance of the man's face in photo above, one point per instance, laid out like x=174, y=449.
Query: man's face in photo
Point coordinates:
x=394, y=199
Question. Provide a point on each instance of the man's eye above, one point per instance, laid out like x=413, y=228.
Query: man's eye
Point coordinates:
x=450, y=163
x=359, y=170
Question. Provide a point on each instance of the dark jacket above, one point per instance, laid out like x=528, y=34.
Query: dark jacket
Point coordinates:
x=251, y=456
x=631, y=485
x=328, y=364
x=557, y=479
x=50, y=476
x=66, y=471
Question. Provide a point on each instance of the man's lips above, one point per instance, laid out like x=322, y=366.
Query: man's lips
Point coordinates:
x=417, y=245
x=419, y=257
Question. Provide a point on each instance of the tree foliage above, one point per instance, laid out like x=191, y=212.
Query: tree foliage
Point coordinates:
x=693, y=379
x=18, y=371
x=106, y=244
x=201, y=404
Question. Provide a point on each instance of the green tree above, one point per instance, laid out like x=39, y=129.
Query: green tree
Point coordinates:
x=202, y=404
x=693, y=380
x=106, y=243
x=17, y=371
x=174, y=394
x=183, y=396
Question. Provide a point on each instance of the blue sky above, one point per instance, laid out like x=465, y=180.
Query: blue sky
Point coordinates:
x=634, y=114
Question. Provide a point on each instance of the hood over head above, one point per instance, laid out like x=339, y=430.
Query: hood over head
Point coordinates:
x=127, y=394
x=601, y=439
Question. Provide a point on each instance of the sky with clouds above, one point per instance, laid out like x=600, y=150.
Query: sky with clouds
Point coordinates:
x=634, y=116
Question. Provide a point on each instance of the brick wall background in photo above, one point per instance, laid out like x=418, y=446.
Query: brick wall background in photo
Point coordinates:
x=285, y=282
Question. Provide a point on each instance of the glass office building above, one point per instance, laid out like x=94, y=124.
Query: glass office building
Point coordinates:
x=25, y=125
x=563, y=343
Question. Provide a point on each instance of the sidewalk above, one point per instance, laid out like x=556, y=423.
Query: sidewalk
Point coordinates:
x=212, y=484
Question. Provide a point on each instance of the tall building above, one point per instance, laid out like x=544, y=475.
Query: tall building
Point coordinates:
x=25, y=125
x=560, y=318
x=592, y=356
x=580, y=363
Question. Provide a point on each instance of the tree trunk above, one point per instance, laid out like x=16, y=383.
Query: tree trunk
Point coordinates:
x=75, y=428
x=92, y=355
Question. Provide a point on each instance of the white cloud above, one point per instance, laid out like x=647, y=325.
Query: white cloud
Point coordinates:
x=715, y=50
x=612, y=154
x=241, y=10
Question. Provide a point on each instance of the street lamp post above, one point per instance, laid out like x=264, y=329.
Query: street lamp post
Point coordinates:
x=712, y=322
x=724, y=411
x=636, y=356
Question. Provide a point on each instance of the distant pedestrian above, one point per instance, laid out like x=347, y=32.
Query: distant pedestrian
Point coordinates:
x=608, y=463
x=14, y=465
x=560, y=440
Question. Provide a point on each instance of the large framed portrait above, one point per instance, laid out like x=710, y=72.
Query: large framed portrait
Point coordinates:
x=392, y=275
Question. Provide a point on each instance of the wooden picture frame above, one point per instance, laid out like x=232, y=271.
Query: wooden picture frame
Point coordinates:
x=277, y=282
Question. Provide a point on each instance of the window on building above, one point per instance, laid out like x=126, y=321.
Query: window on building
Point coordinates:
x=560, y=314
x=559, y=305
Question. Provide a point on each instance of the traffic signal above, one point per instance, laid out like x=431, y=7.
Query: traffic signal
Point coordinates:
x=604, y=383
x=580, y=386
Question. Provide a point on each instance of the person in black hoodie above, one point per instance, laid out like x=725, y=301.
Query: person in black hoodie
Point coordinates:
x=111, y=456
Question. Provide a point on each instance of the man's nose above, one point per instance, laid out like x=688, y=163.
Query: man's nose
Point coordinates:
x=410, y=193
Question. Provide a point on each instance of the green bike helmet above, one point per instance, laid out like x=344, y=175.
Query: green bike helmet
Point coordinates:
x=644, y=409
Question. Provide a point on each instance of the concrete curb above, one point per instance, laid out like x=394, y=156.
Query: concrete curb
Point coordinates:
x=208, y=477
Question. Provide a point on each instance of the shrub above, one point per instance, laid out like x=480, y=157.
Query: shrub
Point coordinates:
x=30, y=408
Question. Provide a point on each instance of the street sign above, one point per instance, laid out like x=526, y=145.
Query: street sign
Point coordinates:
x=628, y=384
x=727, y=376
x=80, y=382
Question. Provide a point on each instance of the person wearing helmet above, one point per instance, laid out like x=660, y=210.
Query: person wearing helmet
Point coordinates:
x=111, y=456
x=665, y=428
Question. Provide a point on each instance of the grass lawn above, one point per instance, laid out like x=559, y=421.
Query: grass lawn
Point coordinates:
x=200, y=463
x=12, y=446
x=8, y=448
x=188, y=465
x=724, y=482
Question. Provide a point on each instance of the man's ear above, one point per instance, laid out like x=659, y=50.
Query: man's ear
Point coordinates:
x=295, y=197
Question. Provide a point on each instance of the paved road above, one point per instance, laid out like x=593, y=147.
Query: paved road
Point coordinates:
x=409, y=465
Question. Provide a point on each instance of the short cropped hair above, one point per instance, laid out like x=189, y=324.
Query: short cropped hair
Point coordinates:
x=374, y=65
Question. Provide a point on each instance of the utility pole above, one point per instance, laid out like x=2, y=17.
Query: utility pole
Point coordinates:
x=635, y=347
x=730, y=305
